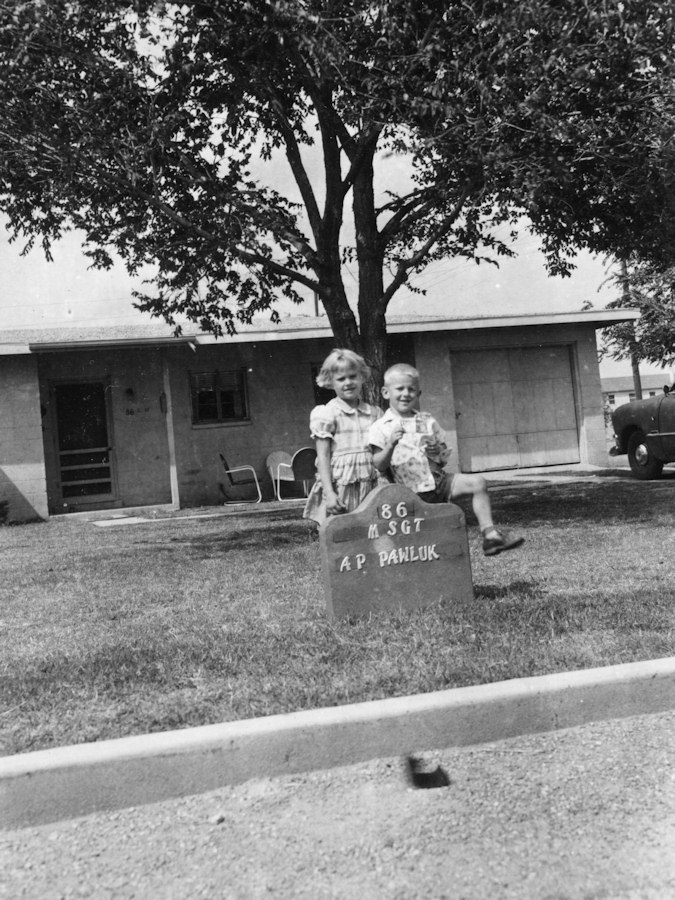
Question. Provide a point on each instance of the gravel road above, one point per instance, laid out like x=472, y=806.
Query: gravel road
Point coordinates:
x=583, y=813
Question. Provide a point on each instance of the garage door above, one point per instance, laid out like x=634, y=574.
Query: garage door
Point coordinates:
x=514, y=408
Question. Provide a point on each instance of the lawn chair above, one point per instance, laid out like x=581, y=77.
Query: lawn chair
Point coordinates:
x=234, y=480
x=297, y=469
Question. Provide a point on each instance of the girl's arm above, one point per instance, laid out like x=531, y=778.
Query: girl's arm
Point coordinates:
x=323, y=455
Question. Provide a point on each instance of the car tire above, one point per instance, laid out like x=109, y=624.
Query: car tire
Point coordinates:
x=642, y=461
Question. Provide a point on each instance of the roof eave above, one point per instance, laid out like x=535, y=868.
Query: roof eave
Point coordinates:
x=321, y=329
x=596, y=318
x=40, y=347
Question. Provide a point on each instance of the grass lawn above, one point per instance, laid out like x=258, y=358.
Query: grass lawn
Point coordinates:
x=106, y=632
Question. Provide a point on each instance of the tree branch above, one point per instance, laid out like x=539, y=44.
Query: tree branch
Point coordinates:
x=364, y=152
x=278, y=268
x=238, y=252
x=412, y=210
x=295, y=161
x=438, y=234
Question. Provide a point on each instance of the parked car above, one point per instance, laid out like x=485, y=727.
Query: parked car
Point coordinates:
x=645, y=430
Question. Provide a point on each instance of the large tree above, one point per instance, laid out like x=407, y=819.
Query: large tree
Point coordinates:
x=151, y=125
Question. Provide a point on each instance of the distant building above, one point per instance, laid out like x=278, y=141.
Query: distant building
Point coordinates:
x=621, y=389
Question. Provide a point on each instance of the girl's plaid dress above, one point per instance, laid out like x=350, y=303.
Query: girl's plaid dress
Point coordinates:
x=353, y=472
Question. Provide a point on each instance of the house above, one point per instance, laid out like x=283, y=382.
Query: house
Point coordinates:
x=621, y=388
x=131, y=415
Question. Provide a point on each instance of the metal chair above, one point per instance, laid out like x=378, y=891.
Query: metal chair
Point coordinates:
x=278, y=464
x=234, y=483
x=297, y=469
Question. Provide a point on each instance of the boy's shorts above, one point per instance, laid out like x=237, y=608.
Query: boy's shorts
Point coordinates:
x=442, y=493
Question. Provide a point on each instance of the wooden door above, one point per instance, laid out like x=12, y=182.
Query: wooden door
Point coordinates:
x=515, y=407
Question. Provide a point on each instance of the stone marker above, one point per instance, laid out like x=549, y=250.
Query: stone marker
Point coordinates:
x=394, y=552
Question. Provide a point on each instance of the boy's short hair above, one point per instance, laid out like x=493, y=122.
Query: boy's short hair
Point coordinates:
x=401, y=369
x=334, y=360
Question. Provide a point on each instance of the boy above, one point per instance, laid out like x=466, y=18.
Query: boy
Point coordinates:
x=412, y=445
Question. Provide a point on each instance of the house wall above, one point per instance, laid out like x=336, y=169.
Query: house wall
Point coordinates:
x=22, y=464
x=148, y=384
x=280, y=397
x=155, y=441
x=433, y=352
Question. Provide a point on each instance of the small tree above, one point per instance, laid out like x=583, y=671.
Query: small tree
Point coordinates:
x=149, y=124
x=651, y=289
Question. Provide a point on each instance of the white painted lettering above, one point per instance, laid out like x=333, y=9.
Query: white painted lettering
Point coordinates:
x=418, y=522
x=405, y=526
x=392, y=527
x=345, y=565
x=408, y=554
x=373, y=532
x=360, y=560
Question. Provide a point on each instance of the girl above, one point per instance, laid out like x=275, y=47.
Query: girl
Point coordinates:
x=344, y=462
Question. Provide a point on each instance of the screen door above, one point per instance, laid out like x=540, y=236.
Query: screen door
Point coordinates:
x=84, y=451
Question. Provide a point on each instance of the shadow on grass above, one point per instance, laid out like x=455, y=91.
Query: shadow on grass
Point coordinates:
x=593, y=501
x=608, y=503
x=667, y=475
x=530, y=590
x=269, y=536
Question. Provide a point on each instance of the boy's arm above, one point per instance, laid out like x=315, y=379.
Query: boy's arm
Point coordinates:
x=436, y=446
x=382, y=455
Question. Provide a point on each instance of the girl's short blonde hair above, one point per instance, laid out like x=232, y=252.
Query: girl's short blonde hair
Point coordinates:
x=334, y=360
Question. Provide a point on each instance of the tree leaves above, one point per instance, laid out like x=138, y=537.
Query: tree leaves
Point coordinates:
x=150, y=126
x=651, y=289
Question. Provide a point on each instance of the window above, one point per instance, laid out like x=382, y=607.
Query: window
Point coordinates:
x=611, y=399
x=631, y=395
x=652, y=393
x=218, y=397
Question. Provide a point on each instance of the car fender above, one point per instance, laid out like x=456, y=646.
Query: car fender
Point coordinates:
x=638, y=415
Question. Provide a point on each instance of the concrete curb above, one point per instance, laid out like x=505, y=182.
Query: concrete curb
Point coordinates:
x=48, y=785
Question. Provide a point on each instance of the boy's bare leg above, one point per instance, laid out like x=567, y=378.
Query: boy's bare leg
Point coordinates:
x=475, y=486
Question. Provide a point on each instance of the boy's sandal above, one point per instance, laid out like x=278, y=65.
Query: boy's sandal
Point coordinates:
x=500, y=542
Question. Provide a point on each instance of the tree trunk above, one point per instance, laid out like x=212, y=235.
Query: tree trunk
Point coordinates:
x=370, y=259
x=635, y=365
x=634, y=358
x=340, y=315
x=369, y=341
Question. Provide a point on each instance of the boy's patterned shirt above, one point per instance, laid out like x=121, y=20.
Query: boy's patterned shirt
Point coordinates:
x=421, y=452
